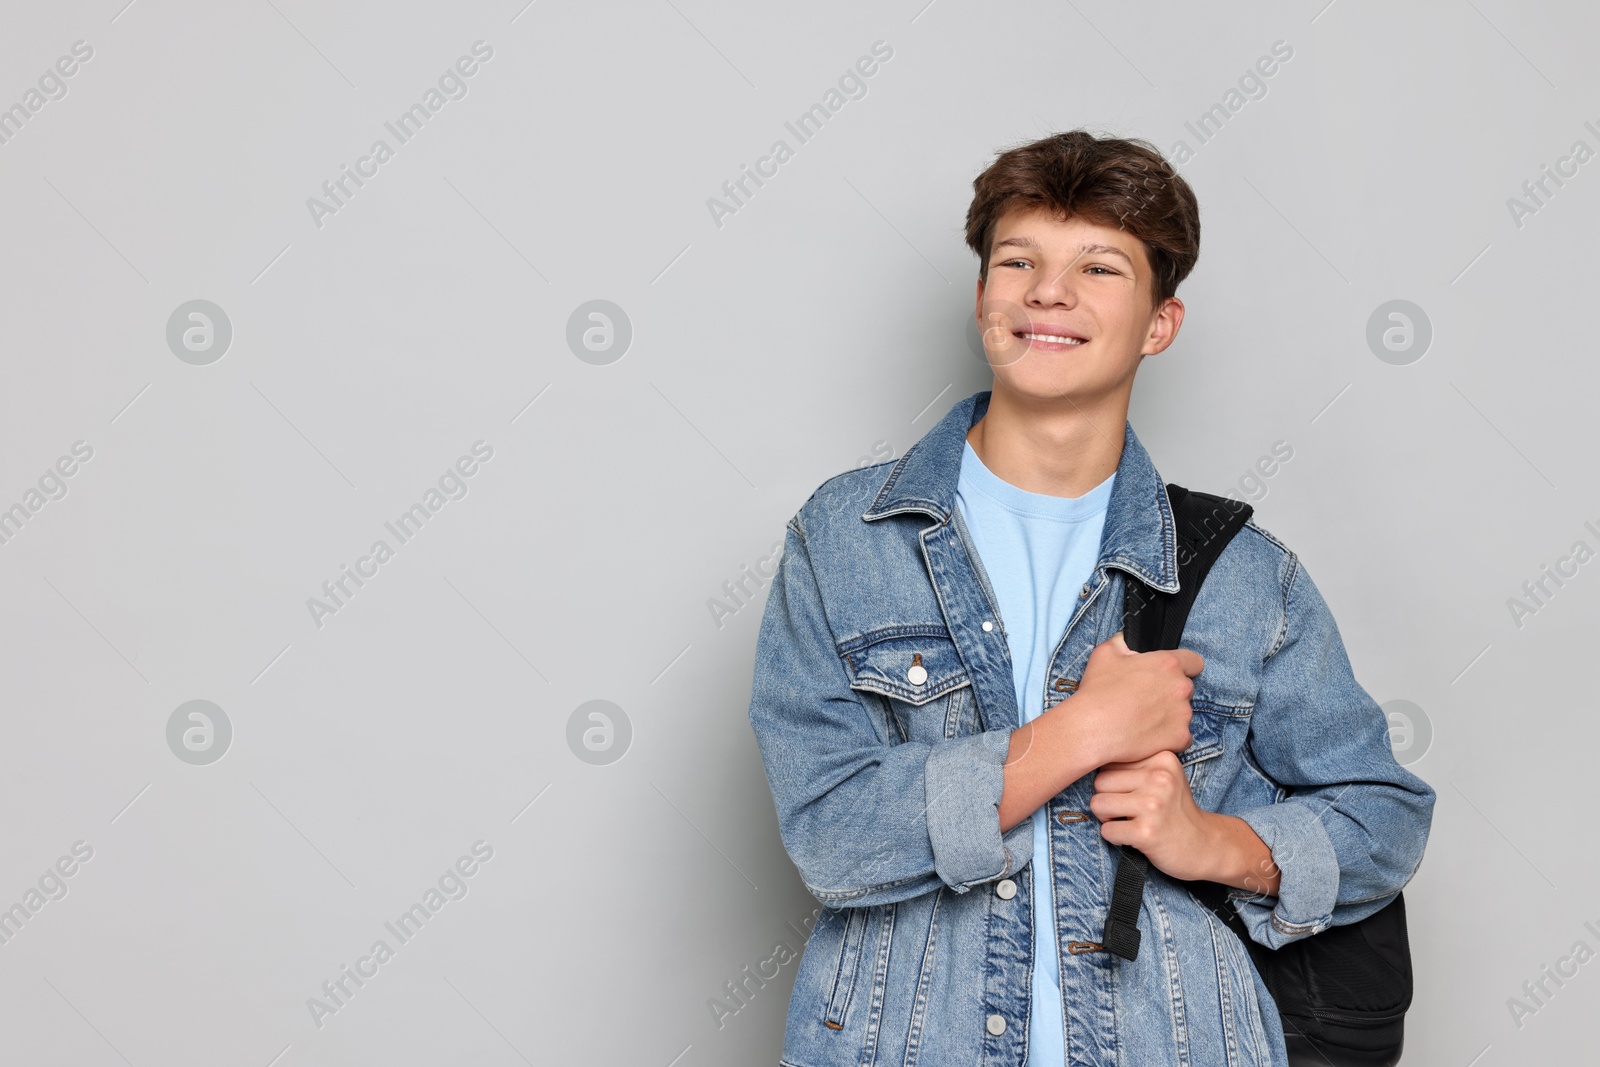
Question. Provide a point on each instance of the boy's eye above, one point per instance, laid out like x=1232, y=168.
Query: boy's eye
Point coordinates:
x=1025, y=263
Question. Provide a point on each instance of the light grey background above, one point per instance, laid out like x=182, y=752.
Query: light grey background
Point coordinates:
x=820, y=326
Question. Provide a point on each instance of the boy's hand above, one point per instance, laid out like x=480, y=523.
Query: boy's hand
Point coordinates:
x=1134, y=704
x=1148, y=804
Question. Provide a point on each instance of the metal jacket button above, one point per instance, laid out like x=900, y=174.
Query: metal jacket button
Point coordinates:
x=987, y=626
x=996, y=1025
x=917, y=674
x=1005, y=889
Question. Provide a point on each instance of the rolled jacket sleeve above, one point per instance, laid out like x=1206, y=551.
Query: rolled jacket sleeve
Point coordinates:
x=867, y=820
x=1350, y=831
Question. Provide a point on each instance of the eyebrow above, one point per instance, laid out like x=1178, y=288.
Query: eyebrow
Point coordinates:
x=1025, y=241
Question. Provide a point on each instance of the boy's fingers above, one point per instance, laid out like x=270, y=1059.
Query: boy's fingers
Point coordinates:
x=1190, y=660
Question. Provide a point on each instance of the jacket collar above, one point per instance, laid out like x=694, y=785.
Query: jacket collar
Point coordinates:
x=1140, y=535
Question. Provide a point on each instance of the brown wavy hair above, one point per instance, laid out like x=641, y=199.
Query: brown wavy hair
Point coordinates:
x=1113, y=181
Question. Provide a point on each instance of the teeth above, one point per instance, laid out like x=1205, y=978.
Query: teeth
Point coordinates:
x=1052, y=338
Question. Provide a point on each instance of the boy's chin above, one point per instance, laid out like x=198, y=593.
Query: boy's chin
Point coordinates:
x=1043, y=386
x=1066, y=393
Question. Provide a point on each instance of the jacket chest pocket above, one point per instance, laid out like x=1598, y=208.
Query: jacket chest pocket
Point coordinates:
x=921, y=681
x=1216, y=730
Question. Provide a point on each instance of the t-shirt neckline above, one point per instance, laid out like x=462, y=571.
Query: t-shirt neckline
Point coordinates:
x=979, y=478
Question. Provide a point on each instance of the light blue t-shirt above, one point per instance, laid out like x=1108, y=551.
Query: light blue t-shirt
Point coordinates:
x=1038, y=551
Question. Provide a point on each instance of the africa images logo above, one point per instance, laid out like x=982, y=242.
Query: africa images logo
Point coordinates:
x=452, y=885
x=453, y=485
x=452, y=85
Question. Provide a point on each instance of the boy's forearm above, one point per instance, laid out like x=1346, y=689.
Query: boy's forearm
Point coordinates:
x=1046, y=755
x=1243, y=860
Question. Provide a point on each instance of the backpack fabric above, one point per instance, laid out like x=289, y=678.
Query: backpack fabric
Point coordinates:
x=1341, y=994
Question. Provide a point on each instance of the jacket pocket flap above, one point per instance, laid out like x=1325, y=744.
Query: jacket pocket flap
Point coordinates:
x=1206, y=726
x=913, y=667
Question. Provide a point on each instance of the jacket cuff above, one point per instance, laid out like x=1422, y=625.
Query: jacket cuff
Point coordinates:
x=964, y=778
x=1308, y=884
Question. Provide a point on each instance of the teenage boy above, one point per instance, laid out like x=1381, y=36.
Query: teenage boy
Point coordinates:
x=957, y=736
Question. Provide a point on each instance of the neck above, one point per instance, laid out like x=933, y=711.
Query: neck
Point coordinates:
x=1049, y=446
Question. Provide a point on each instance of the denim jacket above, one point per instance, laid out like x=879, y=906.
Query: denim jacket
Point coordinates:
x=883, y=704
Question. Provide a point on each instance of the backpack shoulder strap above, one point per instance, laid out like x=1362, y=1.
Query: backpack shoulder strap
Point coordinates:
x=1205, y=524
x=1155, y=620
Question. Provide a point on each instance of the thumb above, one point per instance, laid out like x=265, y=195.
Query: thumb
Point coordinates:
x=1191, y=661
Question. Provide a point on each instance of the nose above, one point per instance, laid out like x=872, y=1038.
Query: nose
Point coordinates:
x=1053, y=286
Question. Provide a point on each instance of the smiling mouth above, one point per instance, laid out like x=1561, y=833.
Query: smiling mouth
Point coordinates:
x=1050, y=339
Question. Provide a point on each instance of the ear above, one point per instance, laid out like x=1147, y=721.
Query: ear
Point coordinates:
x=1164, y=324
x=977, y=305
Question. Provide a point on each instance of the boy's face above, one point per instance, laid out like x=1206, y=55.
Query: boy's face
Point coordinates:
x=1052, y=281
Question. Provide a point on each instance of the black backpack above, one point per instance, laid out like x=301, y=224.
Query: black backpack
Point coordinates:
x=1343, y=993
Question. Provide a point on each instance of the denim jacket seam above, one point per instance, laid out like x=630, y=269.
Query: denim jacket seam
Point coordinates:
x=799, y=530
x=1264, y=532
x=851, y=894
x=1287, y=927
x=884, y=633
x=963, y=536
x=1286, y=593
